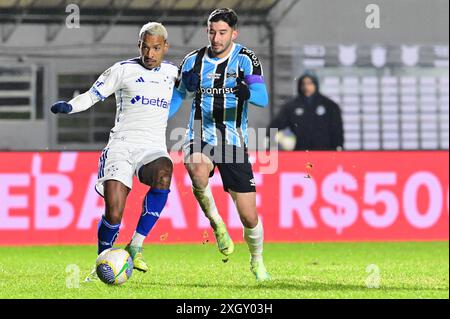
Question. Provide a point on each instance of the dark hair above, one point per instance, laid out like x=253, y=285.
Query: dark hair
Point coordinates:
x=226, y=15
x=312, y=75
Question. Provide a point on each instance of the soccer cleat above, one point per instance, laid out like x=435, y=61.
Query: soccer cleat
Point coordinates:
x=259, y=270
x=92, y=276
x=223, y=239
x=138, y=259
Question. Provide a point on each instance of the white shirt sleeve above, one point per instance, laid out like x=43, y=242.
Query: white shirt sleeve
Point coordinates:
x=83, y=101
x=108, y=83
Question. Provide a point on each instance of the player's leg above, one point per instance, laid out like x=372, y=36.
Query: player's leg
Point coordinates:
x=238, y=180
x=157, y=175
x=253, y=231
x=115, y=180
x=199, y=168
x=115, y=195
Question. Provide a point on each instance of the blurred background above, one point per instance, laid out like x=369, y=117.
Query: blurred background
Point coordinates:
x=391, y=82
x=384, y=66
x=370, y=208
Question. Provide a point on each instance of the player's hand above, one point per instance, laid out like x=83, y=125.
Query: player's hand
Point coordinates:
x=61, y=107
x=241, y=90
x=191, y=80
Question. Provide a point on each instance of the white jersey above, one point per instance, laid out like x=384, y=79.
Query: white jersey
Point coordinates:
x=143, y=99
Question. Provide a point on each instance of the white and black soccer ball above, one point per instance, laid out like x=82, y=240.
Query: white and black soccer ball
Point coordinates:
x=114, y=266
x=286, y=140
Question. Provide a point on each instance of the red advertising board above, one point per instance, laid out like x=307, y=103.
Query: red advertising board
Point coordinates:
x=49, y=198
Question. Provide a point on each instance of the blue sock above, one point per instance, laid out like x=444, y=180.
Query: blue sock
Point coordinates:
x=154, y=202
x=107, y=234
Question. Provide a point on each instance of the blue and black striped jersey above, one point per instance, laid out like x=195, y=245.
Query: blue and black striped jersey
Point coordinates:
x=222, y=116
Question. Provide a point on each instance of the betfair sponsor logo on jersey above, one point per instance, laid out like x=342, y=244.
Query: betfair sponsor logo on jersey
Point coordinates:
x=158, y=102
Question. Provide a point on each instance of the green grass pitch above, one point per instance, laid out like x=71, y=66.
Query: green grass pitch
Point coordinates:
x=300, y=270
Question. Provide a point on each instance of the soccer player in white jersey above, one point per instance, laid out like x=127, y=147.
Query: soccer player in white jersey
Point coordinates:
x=143, y=88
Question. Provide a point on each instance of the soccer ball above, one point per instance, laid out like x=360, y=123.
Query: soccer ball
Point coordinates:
x=114, y=266
x=286, y=139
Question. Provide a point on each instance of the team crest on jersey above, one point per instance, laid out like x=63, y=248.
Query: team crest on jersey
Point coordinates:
x=107, y=72
x=232, y=74
x=214, y=76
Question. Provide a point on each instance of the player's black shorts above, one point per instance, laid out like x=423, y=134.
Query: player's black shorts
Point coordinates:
x=232, y=161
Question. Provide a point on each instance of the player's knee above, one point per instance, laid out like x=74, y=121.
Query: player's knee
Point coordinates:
x=196, y=170
x=199, y=174
x=162, y=180
x=249, y=221
x=163, y=175
x=113, y=214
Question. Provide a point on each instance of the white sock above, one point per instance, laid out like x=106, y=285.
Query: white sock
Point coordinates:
x=255, y=239
x=206, y=201
x=137, y=240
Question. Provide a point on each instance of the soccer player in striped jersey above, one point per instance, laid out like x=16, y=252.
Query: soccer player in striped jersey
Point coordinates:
x=143, y=88
x=223, y=79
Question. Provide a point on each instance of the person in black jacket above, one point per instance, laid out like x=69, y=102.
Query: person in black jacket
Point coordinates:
x=314, y=119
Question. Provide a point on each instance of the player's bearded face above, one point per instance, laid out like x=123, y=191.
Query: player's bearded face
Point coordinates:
x=152, y=49
x=221, y=36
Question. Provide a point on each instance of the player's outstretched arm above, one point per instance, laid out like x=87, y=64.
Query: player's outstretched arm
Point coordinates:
x=177, y=101
x=106, y=84
x=78, y=104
